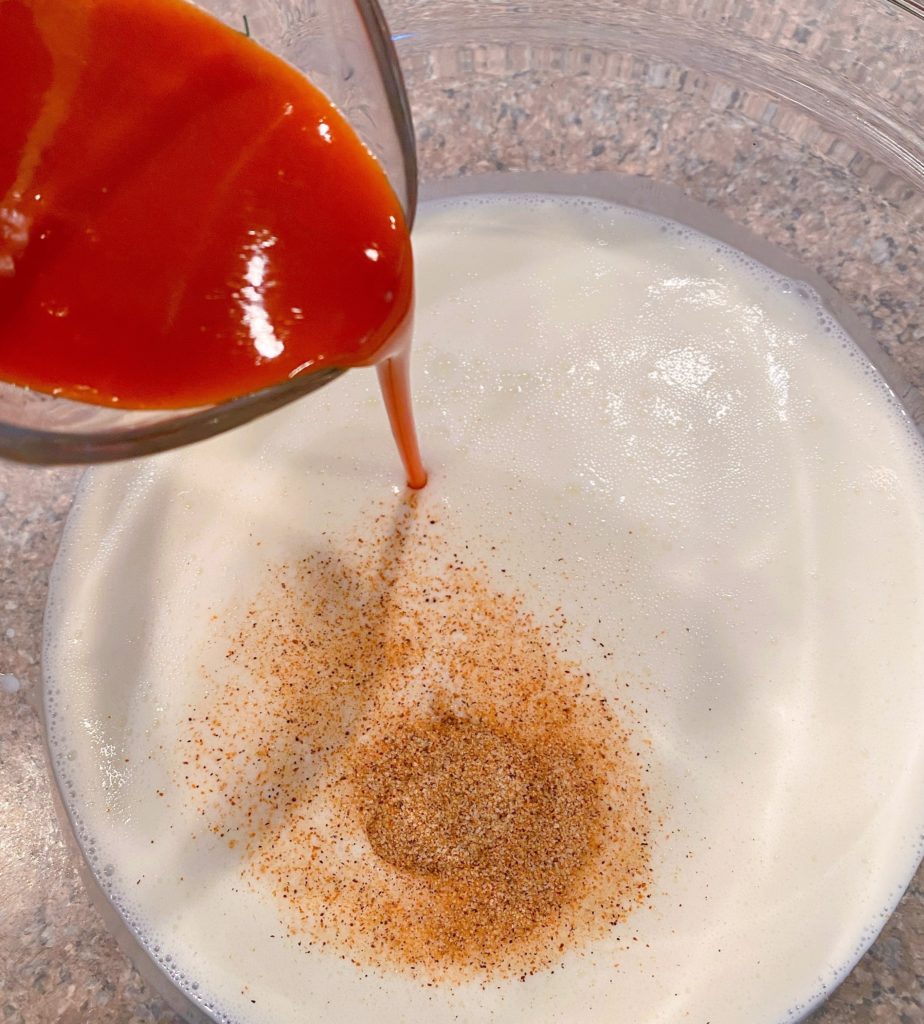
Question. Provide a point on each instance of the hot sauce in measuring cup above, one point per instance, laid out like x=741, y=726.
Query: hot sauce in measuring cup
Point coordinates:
x=184, y=218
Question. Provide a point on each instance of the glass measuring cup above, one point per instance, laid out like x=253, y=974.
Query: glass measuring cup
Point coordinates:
x=346, y=50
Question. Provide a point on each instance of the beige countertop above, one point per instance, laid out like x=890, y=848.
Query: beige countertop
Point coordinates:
x=59, y=963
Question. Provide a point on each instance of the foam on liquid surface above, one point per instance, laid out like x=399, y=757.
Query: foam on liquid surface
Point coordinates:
x=684, y=452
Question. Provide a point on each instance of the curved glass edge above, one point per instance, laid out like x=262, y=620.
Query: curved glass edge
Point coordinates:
x=386, y=57
x=915, y=7
x=139, y=957
x=63, y=448
x=840, y=105
x=160, y=982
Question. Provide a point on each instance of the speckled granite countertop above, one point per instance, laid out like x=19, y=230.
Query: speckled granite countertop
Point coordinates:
x=59, y=963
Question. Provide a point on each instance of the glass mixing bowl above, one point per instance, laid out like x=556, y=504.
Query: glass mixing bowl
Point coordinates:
x=791, y=130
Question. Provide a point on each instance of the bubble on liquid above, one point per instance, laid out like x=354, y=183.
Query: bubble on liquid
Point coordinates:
x=9, y=683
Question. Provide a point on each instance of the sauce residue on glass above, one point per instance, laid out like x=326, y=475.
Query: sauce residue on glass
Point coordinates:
x=184, y=218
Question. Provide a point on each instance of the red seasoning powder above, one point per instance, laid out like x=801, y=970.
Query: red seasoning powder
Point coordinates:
x=412, y=768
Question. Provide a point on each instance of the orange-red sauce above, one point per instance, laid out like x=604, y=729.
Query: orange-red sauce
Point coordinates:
x=184, y=218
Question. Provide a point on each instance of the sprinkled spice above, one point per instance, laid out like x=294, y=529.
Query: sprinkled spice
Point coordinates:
x=414, y=771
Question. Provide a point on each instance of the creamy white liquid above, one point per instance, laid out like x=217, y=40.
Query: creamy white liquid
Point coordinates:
x=679, y=448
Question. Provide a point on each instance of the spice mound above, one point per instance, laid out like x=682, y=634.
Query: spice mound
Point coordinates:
x=501, y=827
x=413, y=768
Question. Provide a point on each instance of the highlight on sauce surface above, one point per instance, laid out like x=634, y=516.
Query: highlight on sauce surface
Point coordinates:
x=184, y=218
